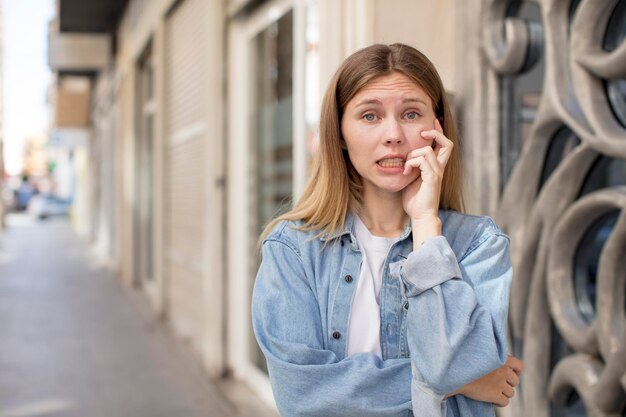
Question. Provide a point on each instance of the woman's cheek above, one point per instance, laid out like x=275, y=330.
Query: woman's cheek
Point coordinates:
x=420, y=142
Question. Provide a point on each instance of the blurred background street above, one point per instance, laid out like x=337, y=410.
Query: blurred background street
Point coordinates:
x=77, y=343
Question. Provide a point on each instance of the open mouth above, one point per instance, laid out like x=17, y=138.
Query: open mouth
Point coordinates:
x=391, y=163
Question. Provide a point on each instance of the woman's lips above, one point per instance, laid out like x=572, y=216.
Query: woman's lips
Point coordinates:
x=391, y=163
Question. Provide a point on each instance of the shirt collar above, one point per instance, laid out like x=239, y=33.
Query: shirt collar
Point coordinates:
x=348, y=229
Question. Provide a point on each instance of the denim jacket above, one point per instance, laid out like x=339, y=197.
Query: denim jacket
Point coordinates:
x=443, y=320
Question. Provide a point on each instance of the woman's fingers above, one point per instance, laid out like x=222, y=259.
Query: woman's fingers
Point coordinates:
x=421, y=162
x=502, y=401
x=512, y=378
x=443, y=145
x=515, y=364
x=427, y=153
x=508, y=391
x=423, y=151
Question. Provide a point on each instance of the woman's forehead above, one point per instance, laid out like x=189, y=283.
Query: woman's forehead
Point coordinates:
x=396, y=85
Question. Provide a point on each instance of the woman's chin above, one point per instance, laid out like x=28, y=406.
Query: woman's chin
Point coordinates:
x=395, y=187
x=391, y=185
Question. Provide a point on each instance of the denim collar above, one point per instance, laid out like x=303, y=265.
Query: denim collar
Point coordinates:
x=348, y=229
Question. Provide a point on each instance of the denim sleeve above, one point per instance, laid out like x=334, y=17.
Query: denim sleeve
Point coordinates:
x=307, y=379
x=457, y=319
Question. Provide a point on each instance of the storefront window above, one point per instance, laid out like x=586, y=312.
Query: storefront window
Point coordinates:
x=312, y=79
x=144, y=160
x=271, y=173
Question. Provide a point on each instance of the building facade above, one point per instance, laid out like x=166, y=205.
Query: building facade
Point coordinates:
x=2, y=169
x=202, y=126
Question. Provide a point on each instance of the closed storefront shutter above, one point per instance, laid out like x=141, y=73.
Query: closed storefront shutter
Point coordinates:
x=185, y=135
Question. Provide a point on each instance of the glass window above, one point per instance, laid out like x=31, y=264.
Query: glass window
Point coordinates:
x=521, y=92
x=574, y=407
x=143, y=167
x=559, y=350
x=562, y=143
x=605, y=172
x=273, y=142
x=586, y=263
x=572, y=12
x=271, y=171
x=615, y=34
x=312, y=79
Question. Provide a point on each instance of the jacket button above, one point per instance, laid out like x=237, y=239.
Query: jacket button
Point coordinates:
x=406, y=305
x=336, y=335
x=348, y=278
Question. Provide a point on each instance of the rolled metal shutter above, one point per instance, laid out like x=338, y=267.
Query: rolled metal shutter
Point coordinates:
x=185, y=135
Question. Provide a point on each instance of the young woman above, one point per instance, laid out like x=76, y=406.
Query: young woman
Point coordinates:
x=376, y=296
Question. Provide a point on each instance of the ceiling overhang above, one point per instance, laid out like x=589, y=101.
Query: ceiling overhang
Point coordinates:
x=90, y=16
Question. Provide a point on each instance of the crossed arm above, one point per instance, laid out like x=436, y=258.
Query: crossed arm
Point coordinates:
x=497, y=387
x=309, y=380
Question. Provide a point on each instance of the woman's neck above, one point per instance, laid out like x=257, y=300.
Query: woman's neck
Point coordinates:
x=383, y=213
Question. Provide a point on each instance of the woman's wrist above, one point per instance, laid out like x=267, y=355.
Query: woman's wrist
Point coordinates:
x=425, y=228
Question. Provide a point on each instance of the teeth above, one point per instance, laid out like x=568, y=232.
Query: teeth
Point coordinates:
x=391, y=163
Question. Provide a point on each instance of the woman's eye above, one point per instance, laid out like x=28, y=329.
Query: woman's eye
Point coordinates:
x=412, y=115
x=369, y=117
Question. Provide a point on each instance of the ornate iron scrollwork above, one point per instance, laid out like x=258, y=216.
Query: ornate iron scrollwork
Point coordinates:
x=569, y=176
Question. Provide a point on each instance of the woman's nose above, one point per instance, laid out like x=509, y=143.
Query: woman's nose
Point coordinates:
x=393, y=141
x=394, y=134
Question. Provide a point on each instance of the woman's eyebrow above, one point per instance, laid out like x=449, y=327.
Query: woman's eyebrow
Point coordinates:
x=414, y=100
x=378, y=102
x=369, y=101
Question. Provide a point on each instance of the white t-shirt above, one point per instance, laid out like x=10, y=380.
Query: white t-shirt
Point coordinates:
x=364, y=322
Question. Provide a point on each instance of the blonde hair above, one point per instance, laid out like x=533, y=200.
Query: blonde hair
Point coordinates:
x=335, y=186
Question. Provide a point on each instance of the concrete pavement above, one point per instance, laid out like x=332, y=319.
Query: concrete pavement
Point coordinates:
x=74, y=342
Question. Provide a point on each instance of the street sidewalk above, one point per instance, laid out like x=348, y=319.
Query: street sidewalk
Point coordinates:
x=75, y=342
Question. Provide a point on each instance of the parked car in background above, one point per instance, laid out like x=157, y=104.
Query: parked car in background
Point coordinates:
x=44, y=206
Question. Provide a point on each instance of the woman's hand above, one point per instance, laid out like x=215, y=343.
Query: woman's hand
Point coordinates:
x=497, y=387
x=421, y=198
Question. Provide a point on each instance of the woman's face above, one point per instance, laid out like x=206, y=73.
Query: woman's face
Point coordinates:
x=381, y=124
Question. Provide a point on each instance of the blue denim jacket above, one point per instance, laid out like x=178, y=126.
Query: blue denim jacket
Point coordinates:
x=443, y=314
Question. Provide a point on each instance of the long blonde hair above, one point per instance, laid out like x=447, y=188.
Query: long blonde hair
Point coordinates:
x=335, y=186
